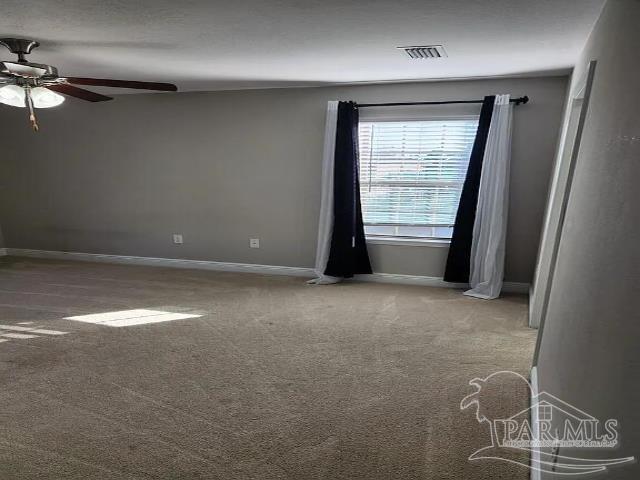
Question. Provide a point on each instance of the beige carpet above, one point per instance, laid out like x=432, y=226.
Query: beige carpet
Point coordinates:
x=276, y=380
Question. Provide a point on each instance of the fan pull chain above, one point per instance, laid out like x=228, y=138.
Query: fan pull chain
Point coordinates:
x=32, y=113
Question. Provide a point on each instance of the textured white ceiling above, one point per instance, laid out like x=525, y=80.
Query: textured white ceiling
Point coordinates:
x=212, y=44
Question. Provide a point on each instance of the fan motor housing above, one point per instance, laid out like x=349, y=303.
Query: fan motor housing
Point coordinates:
x=28, y=70
x=22, y=69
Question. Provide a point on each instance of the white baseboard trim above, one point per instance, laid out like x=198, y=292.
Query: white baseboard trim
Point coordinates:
x=532, y=320
x=509, y=287
x=535, y=454
x=408, y=280
x=164, y=262
x=3, y=252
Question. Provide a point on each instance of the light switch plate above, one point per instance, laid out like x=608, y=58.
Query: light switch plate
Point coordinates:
x=177, y=239
x=254, y=243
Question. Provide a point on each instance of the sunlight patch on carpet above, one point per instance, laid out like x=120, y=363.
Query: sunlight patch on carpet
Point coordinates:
x=128, y=318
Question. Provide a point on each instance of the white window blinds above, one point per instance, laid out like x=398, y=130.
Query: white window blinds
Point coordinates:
x=411, y=174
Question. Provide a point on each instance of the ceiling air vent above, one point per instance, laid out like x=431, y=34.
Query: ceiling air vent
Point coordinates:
x=425, y=51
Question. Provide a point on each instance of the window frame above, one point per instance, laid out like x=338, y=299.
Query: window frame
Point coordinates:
x=397, y=117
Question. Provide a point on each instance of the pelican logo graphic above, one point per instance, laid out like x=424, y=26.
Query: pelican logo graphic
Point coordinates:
x=541, y=430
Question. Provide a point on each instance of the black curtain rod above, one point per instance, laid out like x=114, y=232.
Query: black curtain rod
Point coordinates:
x=517, y=101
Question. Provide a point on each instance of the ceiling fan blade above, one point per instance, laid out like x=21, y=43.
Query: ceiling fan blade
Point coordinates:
x=106, y=82
x=78, y=92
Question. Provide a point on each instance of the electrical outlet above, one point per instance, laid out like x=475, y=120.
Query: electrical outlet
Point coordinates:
x=177, y=239
x=254, y=243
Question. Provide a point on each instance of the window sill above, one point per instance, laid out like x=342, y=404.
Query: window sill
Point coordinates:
x=408, y=241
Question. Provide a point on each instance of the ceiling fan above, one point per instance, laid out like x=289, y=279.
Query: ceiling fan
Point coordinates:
x=34, y=85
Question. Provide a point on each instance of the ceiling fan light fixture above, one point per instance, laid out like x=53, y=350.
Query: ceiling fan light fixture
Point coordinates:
x=12, y=95
x=32, y=86
x=45, y=98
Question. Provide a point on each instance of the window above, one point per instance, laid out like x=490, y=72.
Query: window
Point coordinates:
x=411, y=175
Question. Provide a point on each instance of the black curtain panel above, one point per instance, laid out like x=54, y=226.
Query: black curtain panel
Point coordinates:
x=459, y=259
x=348, y=254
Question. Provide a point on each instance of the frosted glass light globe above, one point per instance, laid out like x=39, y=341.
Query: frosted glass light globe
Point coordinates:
x=45, y=98
x=12, y=95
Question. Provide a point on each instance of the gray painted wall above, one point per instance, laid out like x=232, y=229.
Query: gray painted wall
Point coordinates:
x=222, y=167
x=589, y=353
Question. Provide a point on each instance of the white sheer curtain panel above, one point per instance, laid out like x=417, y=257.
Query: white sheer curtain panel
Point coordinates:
x=490, y=226
x=325, y=225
